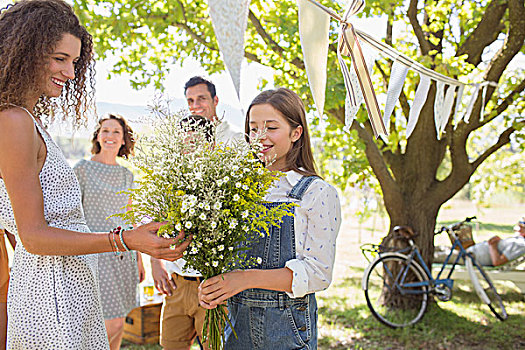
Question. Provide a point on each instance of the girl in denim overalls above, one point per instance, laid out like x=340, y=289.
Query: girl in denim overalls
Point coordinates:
x=274, y=307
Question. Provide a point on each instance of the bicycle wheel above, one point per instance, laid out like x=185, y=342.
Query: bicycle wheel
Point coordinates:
x=485, y=289
x=387, y=294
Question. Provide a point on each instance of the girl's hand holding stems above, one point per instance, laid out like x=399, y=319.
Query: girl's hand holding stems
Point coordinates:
x=218, y=289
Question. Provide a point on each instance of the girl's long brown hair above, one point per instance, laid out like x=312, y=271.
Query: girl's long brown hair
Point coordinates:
x=291, y=107
x=29, y=32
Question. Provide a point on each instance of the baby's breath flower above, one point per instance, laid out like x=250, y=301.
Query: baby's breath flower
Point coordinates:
x=202, y=216
x=188, y=224
x=233, y=223
x=238, y=185
x=245, y=214
x=236, y=197
x=215, y=263
x=206, y=206
x=220, y=248
x=259, y=260
x=213, y=225
x=178, y=226
x=217, y=206
x=245, y=187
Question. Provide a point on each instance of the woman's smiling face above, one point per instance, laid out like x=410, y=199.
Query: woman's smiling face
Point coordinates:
x=278, y=138
x=61, y=65
x=111, y=136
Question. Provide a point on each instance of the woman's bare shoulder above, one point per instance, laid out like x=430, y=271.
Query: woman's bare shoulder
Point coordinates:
x=15, y=120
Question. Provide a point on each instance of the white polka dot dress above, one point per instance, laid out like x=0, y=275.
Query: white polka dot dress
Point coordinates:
x=118, y=275
x=53, y=301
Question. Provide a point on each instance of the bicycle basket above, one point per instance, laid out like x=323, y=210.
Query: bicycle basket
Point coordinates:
x=464, y=234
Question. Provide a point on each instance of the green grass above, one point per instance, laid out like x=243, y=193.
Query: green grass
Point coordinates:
x=462, y=323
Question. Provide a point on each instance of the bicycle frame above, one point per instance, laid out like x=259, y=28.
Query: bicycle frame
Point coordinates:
x=431, y=282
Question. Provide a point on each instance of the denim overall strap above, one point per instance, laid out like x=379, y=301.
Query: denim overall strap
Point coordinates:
x=265, y=319
x=301, y=186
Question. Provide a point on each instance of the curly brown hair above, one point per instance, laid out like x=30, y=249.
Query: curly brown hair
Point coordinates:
x=129, y=137
x=29, y=32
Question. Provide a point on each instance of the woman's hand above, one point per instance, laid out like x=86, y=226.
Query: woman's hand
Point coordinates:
x=145, y=239
x=218, y=289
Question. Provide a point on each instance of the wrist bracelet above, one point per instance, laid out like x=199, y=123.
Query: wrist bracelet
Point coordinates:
x=111, y=244
x=121, y=236
x=118, y=229
x=133, y=254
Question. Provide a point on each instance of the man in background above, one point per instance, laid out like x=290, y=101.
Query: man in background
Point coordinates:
x=182, y=316
x=498, y=251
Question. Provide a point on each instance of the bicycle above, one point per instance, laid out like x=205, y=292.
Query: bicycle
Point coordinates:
x=398, y=283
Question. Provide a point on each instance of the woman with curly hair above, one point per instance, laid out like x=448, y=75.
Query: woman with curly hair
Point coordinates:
x=46, y=66
x=102, y=180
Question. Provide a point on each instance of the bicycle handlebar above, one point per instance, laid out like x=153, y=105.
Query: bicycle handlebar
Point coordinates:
x=451, y=227
x=469, y=219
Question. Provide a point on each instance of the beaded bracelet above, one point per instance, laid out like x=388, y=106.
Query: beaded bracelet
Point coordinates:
x=121, y=237
x=116, y=230
x=110, y=243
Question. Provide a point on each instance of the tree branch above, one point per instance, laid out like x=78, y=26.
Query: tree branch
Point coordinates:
x=424, y=44
x=194, y=35
x=375, y=159
x=389, y=28
x=503, y=139
x=485, y=33
x=511, y=47
x=509, y=99
x=270, y=42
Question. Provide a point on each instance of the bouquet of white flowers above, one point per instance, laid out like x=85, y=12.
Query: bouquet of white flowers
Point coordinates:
x=210, y=191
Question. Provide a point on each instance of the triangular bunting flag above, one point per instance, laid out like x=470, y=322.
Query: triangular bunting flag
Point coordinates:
x=419, y=101
x=438, y=106
x=458, y=103
x=229, y=18
x=314, y=25
x=447, y=107
x=395, y=85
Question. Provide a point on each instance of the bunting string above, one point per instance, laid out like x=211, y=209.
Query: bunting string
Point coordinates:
x=443, y=103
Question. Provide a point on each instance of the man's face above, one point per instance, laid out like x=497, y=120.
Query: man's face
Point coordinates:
x=200, y=101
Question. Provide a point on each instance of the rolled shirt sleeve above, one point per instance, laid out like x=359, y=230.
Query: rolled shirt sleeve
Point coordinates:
x=317, y=223
x=512, y=247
